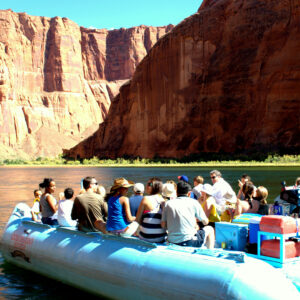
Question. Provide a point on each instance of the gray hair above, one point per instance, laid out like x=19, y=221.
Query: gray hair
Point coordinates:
x=216, y=172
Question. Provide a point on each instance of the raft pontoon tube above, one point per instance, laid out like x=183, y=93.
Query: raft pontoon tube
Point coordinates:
x=127, y=268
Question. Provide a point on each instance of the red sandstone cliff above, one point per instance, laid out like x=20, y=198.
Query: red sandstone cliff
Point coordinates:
x=57, y=79
x=225, y=79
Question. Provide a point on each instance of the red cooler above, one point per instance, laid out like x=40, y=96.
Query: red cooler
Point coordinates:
x=297, y=244
x=278, y=224
x=272, y=248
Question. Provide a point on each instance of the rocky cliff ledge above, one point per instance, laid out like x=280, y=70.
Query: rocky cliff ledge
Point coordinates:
x=57, y=79
x=225, y=79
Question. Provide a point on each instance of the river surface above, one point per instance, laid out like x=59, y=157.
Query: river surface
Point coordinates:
x=17, y=185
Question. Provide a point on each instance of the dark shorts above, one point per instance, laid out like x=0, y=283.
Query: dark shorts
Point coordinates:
x=212, y=224
x=200, y=235
x=49, y=221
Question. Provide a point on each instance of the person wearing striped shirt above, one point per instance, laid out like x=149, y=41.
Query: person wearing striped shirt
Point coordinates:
x=150, y=212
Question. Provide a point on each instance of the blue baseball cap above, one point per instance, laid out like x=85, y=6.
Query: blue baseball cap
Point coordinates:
x=183, y=178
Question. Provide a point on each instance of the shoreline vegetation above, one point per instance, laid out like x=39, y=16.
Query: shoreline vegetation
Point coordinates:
x=216, y=161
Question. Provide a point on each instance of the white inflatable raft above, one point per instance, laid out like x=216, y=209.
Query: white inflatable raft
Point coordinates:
x=127, y=268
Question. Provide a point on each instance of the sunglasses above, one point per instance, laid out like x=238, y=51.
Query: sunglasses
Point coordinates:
x=95, y=183
x=213, y=177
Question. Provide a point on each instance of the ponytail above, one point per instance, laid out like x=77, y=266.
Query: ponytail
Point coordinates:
x=45, y=183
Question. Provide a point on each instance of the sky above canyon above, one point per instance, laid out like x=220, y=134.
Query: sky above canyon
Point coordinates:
x=109, y=13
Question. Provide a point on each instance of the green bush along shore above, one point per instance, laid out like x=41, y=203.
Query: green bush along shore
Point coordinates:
x=205, y=160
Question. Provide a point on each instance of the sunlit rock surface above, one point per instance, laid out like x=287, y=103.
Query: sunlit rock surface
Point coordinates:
x=226, y=79
x=57, y=79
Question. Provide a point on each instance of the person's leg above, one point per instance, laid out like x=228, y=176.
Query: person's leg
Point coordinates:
x=197, y=241
x=131, y=229
x=203, y=236
x=209, y=237
x=54, y=222
x=242, y=206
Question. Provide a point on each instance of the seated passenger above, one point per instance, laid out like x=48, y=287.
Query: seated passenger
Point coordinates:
x=48, y=204
x=186, y=179
x=179, y=218
x=255, y=200
x=261, y=196
x=65, y=206
x=222, y=191
x=208, y=204
x=244, y=178
x=119, y=220
x=149, y=213
x=198, y=184
x=35, y=210
x=136, y=199
x=89, y=208
x=98, y=188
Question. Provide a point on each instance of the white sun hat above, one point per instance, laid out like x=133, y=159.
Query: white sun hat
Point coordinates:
x=207, y=189
x=168, y=190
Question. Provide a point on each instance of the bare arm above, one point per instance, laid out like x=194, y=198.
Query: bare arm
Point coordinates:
x=140, y=210
x=125, y=203
x=51, y=203
x=104, y=209
x=207, y=208
x=200, y=214
x=33, y=217
x=205, y=221
x=100, y=225
x=163, y=222
x=240, y=190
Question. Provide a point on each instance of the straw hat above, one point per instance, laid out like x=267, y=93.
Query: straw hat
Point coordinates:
x=121, y=183
x=168, y=190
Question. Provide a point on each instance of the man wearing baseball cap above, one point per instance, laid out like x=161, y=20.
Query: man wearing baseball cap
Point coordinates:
x=183, y=178
x=136, y=199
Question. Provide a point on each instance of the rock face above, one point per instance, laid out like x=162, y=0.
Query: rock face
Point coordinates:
x=57, y=79
x=226, y=79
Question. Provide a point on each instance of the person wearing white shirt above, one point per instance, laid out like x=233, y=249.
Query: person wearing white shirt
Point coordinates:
x=222, y=191
x=65, y=208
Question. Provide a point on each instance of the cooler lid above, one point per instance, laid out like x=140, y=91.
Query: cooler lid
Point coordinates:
x=255, y=220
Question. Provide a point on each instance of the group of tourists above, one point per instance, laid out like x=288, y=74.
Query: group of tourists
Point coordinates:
x=160, y=212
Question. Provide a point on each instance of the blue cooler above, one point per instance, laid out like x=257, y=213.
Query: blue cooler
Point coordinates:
x=232, y=236
x=253, y=230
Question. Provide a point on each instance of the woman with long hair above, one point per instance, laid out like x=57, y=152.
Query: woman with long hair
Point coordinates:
x=150, y=212
x=48, y=204
x=255, y=200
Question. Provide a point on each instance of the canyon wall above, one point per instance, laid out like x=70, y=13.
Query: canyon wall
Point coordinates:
x=226, y=79
x=57, y=79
